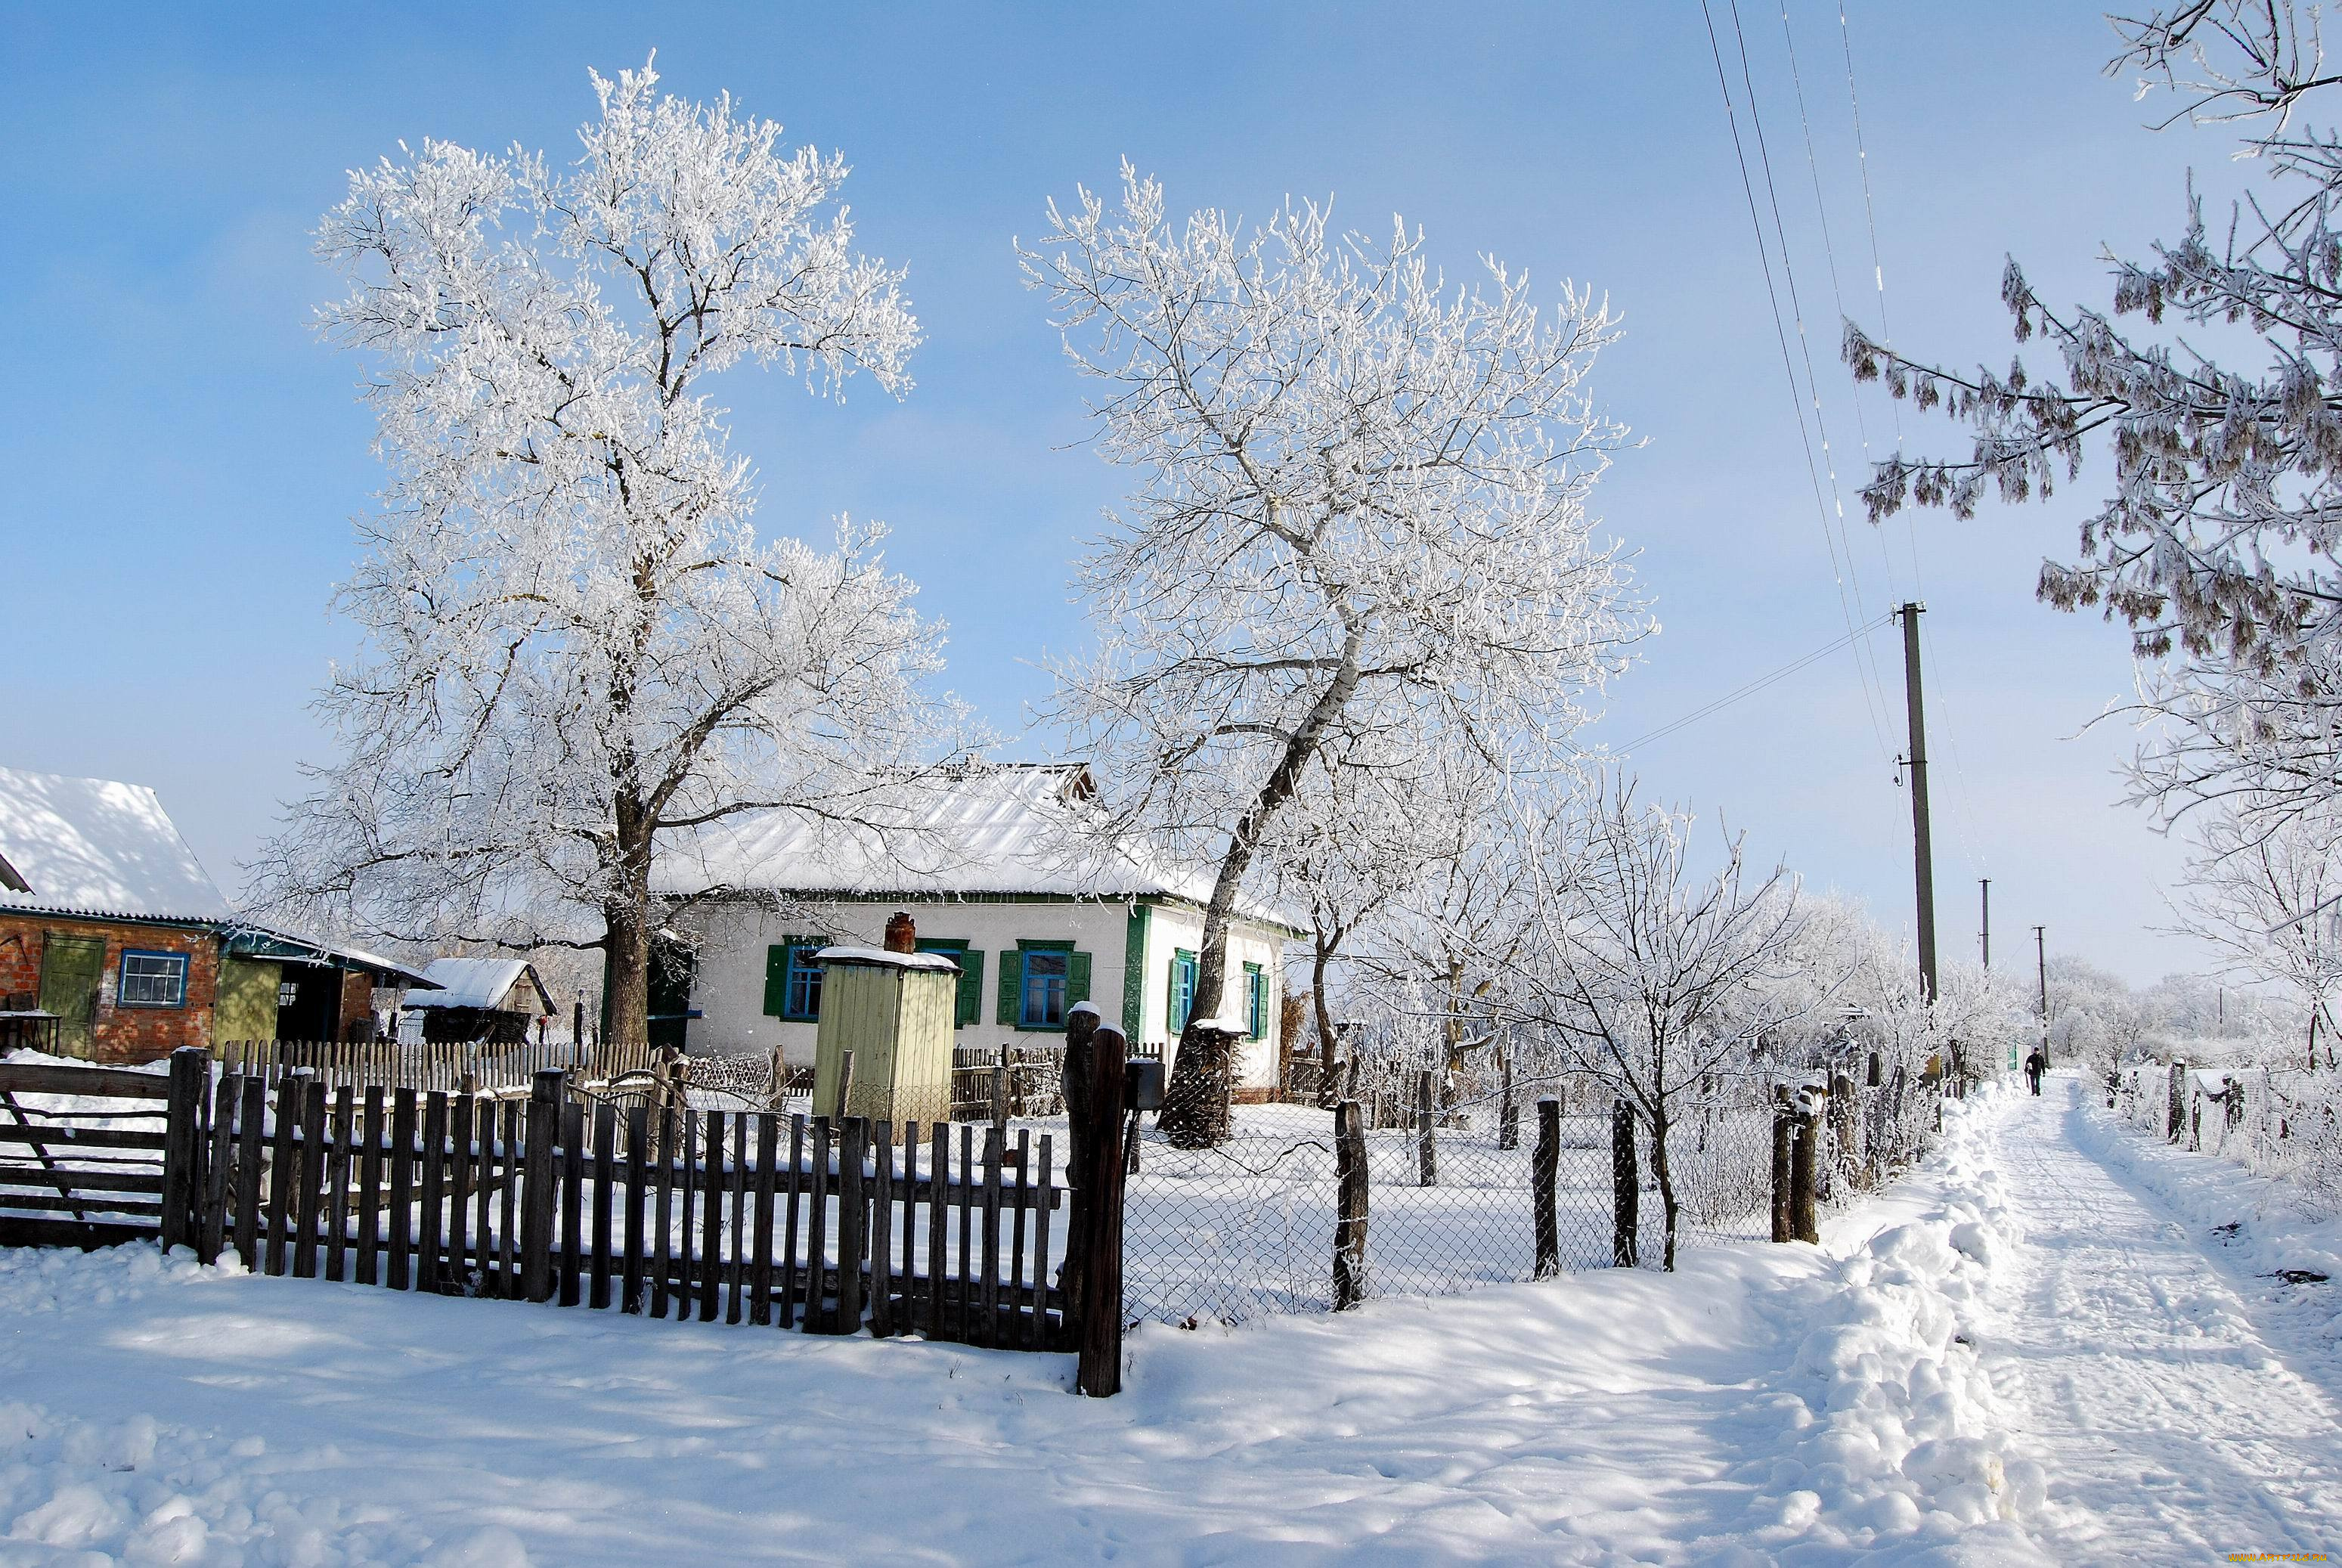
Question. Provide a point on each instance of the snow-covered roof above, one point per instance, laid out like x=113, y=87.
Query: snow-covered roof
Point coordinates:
x=94, y=847
x=999, y=828
x=478, y=983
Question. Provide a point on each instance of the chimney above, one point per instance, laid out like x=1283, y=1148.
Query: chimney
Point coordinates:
x=902, y=936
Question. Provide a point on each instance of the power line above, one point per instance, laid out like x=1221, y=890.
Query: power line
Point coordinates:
x=1758, y=685
x=1868, y=676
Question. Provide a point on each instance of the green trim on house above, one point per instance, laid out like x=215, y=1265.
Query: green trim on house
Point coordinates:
x=1134, y=970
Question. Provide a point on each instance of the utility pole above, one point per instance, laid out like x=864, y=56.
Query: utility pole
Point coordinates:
x=1923, y=859
x=2041, y=959
x=1984, y=931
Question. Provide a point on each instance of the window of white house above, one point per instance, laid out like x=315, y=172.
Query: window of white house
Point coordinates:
x=804, y=985
x=1046, y=973
x=152, y=980
x=1183, y=988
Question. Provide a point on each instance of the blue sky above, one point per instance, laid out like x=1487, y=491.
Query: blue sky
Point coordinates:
x=183, y=458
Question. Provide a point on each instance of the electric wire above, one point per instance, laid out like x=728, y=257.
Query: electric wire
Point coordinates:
x=1797, y=401
x=1865, y=655
x=1750, y=689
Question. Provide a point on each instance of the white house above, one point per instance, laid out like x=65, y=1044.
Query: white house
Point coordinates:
x=1033, y=929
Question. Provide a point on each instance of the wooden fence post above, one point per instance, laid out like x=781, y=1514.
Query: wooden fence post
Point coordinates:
x=1782, y=1231
x=537, y=1186
x=1098, y=1373
x=1350, y=1176
x=182, y=1145
x=1803, y=1225
x=1000, y=1091
x=2173, y=1117
x=1626, y=1186
x=1427, y=1117
x=1842, y=1122
x=853, y=1220
x=1544, y=1172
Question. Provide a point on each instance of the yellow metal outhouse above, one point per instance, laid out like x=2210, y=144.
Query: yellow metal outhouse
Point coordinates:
x=895, y=1012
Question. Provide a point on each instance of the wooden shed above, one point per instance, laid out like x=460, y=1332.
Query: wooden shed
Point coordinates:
x=895, y=1012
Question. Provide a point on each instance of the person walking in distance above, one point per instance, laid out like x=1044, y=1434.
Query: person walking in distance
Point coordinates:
x=2034, y=1065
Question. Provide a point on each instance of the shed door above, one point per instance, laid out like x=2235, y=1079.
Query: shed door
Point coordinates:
x=70, y=969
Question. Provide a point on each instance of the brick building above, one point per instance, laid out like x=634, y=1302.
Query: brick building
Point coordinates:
x=118, y=944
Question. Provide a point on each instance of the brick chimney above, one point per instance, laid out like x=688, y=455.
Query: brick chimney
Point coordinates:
x=902, y=936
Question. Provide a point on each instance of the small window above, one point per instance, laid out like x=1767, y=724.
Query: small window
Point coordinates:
x=1183, y=988
x=288, y=993
x=804, y=985
x=1046, y=973
x=152, y=980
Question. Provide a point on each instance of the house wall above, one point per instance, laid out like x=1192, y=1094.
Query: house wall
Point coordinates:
x=729, y=987
x=120, y=1035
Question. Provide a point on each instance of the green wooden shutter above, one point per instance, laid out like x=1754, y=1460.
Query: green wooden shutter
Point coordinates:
x=1011, y=977
x=777, y=979
x=1254, y=1008
x=971, y=988
x=1078, y=978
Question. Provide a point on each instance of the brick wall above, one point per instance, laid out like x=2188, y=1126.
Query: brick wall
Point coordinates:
x=123, y=1035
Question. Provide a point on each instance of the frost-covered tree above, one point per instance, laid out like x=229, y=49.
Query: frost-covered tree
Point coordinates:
x=1356, y=516
x=2211, y=385
x=577, y=646
x=2269, y=899
x=1658, y=975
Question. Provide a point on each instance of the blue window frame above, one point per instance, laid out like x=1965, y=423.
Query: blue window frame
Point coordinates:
x=152, y=980
x=803, y=1003
x=1256, y=1001
x=1183, y=988
x=1043, y=987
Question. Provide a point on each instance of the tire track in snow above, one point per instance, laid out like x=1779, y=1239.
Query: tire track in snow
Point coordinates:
x=2170, y=1429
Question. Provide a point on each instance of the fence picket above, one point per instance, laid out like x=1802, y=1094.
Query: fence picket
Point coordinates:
x=251, y=1151
x=435, y=1191
x=1016, y=1301
x=735, y=1277
x=882, y=1215
x=816, y=1317
x=573, y=1181
x=402, y=1185
x=760, y=1282
x=508, y=1121
x=966, y=1194
x=1037, y=1335
x=789, y=1247
x=337, y=1237
x=852, y=1230
x=370, y=1196
x=219, y=1175
x=938, y=1172
x=910, y=1225
x=458, y=1273
x=711, y=1244
x=605, y=1134
x=988, y=1290
x=661, y=1258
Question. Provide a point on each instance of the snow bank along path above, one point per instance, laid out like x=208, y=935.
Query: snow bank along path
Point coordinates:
x=2171, y=1426
x=1768, y=1403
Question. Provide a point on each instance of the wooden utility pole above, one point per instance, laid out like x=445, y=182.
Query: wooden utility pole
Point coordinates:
x=1923, y=858
x=2041, y=962
x=1984, y=930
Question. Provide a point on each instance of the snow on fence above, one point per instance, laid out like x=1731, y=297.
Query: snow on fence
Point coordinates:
x=2282, y=1122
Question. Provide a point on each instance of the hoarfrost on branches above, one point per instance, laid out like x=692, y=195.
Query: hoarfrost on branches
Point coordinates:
x=1356, y=524
x=577, y=646
x=2216, y=544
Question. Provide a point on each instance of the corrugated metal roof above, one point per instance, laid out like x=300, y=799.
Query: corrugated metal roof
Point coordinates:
x=94, y=846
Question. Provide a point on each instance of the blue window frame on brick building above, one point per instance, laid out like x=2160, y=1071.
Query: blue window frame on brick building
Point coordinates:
x=152, y=980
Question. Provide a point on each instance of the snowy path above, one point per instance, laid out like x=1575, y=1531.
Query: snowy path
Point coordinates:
x=2170, y=1428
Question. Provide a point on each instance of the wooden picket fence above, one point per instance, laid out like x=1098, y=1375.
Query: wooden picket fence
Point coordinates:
x=743, y=1216
x=433, y=1065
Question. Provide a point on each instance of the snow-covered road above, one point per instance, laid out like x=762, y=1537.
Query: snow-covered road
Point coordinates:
x=2128, y=1361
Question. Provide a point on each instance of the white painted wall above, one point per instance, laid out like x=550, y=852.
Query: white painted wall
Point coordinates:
x=729, y=989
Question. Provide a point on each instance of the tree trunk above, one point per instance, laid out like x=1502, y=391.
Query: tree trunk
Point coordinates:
x=1329, y=1094
x=1659, y=1169
x=1194, y=1113
x=626, y=916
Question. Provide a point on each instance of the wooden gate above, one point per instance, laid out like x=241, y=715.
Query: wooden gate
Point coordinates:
x=83, y=1155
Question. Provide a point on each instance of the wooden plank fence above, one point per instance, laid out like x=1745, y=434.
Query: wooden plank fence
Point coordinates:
x=91, y=1174
x=947, y=1230
x=425, y=1066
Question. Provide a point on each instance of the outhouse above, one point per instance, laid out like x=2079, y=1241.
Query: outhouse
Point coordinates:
x=895, y=1011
